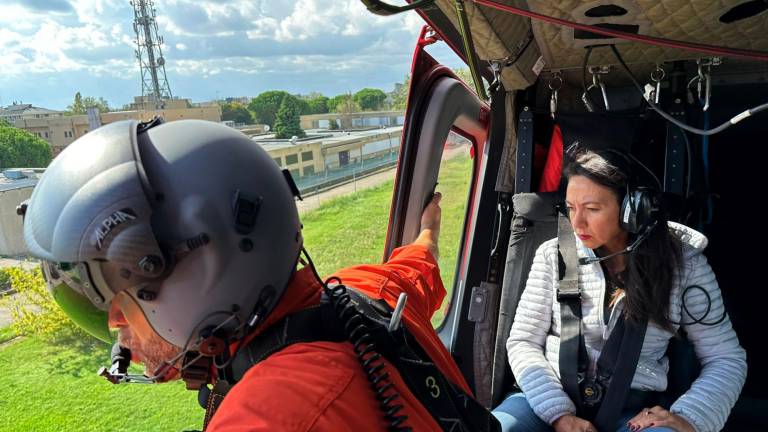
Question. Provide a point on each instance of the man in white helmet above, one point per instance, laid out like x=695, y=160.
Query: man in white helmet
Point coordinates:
x=185, y=237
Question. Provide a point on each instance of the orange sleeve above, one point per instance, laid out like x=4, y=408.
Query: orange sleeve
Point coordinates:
x=411, y=269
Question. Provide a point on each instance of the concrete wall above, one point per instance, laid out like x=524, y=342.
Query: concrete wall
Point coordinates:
x=11, y=227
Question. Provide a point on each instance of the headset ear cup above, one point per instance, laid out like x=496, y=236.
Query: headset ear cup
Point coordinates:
x=627, y=213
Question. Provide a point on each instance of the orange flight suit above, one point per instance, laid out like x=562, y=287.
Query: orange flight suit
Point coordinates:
x=321, y=386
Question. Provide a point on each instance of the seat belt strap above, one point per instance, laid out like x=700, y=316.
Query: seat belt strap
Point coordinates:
x=618, y=362
x=524, y=158
x=569, y=297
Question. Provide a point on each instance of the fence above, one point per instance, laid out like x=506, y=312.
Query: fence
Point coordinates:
x=314, y=183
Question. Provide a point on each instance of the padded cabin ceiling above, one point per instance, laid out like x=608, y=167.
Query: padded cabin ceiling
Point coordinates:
x=501, y=35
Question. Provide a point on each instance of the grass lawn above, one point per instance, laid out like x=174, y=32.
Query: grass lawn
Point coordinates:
x=53, y=387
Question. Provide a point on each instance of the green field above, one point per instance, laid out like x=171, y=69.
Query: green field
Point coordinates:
x=53, y=387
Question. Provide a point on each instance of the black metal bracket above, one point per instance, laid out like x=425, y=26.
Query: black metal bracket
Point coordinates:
x=378, y=7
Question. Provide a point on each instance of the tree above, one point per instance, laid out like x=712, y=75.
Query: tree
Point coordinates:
x=370, y=99
x=400, y=94
x=465, y=75
x=303, y=106
x=264, y=106
x=81, y=104
x=287, y=122
x=318, y=104
x=19, y=148
x=236, y=112
x=333, y=124
x=343, y=103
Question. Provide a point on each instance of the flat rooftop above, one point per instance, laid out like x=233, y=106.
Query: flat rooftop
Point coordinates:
x=323, y=136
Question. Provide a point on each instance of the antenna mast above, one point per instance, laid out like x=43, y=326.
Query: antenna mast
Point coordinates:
x=154, y=83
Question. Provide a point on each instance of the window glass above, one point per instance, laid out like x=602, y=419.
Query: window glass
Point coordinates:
x=309, y=170
x=306, y=156
x=291, y=159
x=453, y=182
x=295, y=174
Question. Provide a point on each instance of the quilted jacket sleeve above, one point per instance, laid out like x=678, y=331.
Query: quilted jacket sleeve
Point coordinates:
x=527, y=338
x=708, y=402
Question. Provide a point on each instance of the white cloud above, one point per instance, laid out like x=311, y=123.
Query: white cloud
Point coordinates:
x=205, y=39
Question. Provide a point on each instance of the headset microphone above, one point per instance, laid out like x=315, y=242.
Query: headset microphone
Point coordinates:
x=121, y=359
x=640, y=238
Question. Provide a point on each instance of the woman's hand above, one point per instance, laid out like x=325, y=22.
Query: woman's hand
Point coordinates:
x=658, y=416
x=571, y=423
x=430, y=225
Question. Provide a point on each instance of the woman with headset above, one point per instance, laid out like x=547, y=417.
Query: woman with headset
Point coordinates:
x=634, y=266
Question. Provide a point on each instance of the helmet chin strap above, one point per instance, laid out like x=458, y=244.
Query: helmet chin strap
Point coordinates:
x=117, y=373
x=121, y=359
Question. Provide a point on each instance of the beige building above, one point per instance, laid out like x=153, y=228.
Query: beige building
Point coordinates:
x=359, y=120
x=331, y=150
x=60, y=130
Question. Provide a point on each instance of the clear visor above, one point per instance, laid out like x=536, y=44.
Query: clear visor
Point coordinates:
x=74, y=292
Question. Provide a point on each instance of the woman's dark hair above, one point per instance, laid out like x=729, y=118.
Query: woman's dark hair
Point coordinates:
x=652, y=267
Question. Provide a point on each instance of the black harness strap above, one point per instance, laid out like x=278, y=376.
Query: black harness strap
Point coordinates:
x=617, y=364
x=569, y=297
x=602, y=398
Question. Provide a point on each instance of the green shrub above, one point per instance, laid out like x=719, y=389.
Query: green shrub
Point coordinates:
x=33, y=309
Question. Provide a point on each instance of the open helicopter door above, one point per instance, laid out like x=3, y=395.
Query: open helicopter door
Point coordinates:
x=446, y=148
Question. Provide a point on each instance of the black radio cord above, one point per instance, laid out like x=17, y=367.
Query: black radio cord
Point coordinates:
x=365, y=349
x=704, y=315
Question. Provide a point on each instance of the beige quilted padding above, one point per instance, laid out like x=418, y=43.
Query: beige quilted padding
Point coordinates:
x=490, y=47
x=686, y=20
x=497, y=33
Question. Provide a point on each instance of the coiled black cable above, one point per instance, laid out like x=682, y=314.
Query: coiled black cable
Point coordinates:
x=706, y=312
x=365, y=349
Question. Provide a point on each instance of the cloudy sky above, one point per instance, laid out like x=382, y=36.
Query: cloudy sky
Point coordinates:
x=50, y=49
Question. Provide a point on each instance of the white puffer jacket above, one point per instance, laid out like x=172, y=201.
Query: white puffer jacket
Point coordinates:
x=534, y=339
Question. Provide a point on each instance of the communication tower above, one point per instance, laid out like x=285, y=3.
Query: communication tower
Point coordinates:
x=154, y=83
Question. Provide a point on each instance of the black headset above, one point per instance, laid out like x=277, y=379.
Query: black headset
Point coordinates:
x=641, y=205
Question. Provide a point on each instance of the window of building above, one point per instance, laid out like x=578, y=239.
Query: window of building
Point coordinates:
x=295, y=174
x=46, y=134
x=291, y=159
x=307, y=156
x=278, y=161
x=309, y=170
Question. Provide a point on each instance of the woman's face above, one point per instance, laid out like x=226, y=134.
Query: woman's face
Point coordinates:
x=594, y=213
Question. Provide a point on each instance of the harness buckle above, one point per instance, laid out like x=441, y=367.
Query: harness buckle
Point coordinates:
x=568, y=295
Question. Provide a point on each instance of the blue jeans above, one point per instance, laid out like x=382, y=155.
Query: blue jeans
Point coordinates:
x=515, y=414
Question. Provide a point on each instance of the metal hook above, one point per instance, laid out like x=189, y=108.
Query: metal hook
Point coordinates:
x=703, y=80
x=597, y=82
x=657, y=76
x=496, y=68
x=554, y=84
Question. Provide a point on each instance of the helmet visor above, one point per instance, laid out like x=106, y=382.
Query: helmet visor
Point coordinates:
x=72, y=293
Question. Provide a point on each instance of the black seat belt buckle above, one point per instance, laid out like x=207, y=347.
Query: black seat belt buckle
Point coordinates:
x=566, y=296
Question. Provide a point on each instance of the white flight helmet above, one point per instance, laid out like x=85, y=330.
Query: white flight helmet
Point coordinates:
x=191, y=219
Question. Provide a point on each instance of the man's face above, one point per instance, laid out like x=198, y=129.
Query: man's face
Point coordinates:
x=135, y=333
